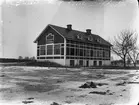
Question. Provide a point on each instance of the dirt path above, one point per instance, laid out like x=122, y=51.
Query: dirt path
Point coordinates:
x=43, y=86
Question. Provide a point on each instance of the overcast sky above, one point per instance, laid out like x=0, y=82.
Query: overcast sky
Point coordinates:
x=22, y=21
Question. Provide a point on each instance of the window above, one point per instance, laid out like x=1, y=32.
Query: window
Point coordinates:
x=62, y=51
x=87, y=52
x=72, y=62
x=79, y=36
x=42, y=57
x=87, y=63
x=49, y=57
x=107, y=54
x=95, y=63
x=68, y=51
x=84, y=52
x=95, y=53
x=100, y=63
x=49, y=49
x=77, y=52
x=98, y=40
x=57, y=57
x=42, y=50
x=57, y=49
x=90, y=38
x=72, y=51
x=98, y=53
x=38, y=50
x=81, y=52
x=81, y=62
x=50, y=37
x=92, y=53
x=62, y=57
x=101, y=53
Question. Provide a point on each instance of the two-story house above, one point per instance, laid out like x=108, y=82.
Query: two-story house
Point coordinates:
x=72, y=47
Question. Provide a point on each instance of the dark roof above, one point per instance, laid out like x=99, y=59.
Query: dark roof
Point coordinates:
x=72, y=35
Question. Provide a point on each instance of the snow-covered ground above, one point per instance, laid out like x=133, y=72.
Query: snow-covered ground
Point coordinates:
x=43, y=86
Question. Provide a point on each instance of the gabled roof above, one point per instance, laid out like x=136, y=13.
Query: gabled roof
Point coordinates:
x=72, y=35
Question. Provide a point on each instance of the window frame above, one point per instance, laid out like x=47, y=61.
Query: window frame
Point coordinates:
x=49, y=50
x=79, y=36
x=59, y=45
x=42, y=50
x=50, y=34
x=90, y=38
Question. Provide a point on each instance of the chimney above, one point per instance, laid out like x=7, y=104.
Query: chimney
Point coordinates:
x=69, y=27
x=88, y=31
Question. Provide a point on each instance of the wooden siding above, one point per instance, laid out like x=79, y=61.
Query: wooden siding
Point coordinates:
x=57, y=38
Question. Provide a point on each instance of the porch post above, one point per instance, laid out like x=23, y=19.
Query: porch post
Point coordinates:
x=65, y=52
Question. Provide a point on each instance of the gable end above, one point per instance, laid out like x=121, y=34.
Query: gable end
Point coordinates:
x=42, y=38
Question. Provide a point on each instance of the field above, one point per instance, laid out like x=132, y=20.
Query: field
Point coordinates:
x=21, y=85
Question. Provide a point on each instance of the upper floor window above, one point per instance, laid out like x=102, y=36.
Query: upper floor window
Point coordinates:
x=79, y=36
x=98, y=40
x=50, y=37
x=90, y=38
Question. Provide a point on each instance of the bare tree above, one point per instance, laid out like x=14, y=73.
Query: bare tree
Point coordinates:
x=124, y=43
x=128, y=60
x=32, y=58
x=26, y=58
x=20, y=57
x=133, y=54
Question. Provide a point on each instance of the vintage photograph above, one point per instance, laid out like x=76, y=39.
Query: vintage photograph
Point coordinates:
x=69, y=52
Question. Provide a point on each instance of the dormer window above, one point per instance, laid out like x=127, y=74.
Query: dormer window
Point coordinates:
x=79, y=36
x=98, y=40
x=90, y=38
x=50, y=37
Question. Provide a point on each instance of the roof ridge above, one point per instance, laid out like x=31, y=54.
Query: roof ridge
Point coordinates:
x=72, y=29
x=61, y=30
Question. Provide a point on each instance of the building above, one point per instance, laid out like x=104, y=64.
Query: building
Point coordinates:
x=71, y=47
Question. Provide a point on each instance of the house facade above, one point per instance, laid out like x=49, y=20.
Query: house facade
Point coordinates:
x=72, y=47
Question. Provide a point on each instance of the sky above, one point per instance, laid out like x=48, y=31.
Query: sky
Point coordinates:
x=22, y=21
